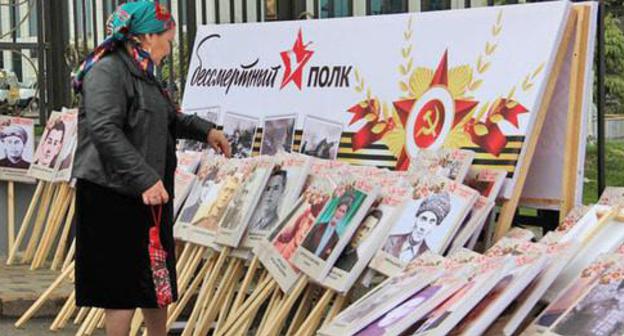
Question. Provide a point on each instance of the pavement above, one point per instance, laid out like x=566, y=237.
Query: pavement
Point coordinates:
x=38, y=327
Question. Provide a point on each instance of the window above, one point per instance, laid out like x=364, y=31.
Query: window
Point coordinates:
x=433, y=5
x=32, y=21
x=376, y=7
x=506, y=2
x=335, y=8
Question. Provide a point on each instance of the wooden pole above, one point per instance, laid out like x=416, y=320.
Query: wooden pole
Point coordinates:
x=312, y=321
x=66, y=311
x=339, y=302
x=242, y=291
x=250, y=312
x=302, y=311
x=269, y=312
x=70, y=255
x=229, y=299
x=206, y=321
x=52, y=227
x=39, y=222
x=25, y=222
x=509, y=207
x=82, y=314
x=247, y=308
x=177, y=308
x=62, y=245
x=282, y=313
x=11, y=214
x=43, y=298
x=137, y=320
x=205, y=292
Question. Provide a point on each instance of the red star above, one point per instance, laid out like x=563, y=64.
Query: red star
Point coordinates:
x=302, y=56
x=440, y=78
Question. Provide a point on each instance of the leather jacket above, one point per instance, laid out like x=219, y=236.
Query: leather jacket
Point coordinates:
x=127, y=127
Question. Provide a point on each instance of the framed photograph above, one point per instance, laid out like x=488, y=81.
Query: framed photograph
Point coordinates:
x=284, y=186
x=486, y=273
x=403, y=316
x=240, y=131
x=278, y=135
x=574, y=292
x=428, y=222
x=334, y=228
x=369, y=235
x=386, y=296
x=321, y=138
x=183, y=182
x=234, y=222
x=472, y=224
x=47, y=155
x=529, y=261
x=450, y=163
x=215, y=195
x=488, y=182
x=211, y=114
x=276, y=250
x=17, y=146
x=66, y=162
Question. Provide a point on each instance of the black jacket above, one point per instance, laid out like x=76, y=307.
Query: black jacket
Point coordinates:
x=127, y=127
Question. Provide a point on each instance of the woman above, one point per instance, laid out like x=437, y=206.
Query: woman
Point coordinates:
x=125, y=163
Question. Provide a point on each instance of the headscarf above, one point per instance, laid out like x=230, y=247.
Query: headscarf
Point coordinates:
x=128, y=21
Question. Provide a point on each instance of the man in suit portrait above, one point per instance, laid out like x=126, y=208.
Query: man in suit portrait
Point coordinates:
x=323, y=236
x=408, y=245
x=265, y=214
x=52, y=144
x=14, y=139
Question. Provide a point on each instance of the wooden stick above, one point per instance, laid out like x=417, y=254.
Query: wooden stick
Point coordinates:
x=68, y=307
x=102, y=322
x=183, y=258
x=227, y=304
x=286, y=306
x=70, y=255
x=97, y=319
x=242, y=291
x=206, y=321
x=25, y=222
x=39, y=223
x=189, y=270
x=509, y=207
x=302, y=310
x=205, y=292
x=176, y=309
x=250, y=312
x=137, y=321
x=11, y=214
x=82, y=313
x=270, y=310
x=52, y=228
x=249, y=305
x=87, y=322
x=309, y=326
x=339, y=302
x=43, y=298
x=60, y=249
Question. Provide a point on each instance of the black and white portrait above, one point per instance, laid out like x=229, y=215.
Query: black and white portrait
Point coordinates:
x=278, y=135
x=408, y=239
x=320, y=138
x=209, y=114
x=266, y=214
x=240, y=132
x=16, y=143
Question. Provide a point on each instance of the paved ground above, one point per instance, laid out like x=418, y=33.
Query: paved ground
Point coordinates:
x=20, y=287
x=37, y=327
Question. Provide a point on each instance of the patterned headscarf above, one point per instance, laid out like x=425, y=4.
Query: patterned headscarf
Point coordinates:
x=128, y=21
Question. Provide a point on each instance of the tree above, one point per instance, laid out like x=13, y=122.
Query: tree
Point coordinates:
x=614, y=59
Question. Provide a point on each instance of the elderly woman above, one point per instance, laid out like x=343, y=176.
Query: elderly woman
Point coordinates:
x=125, y=163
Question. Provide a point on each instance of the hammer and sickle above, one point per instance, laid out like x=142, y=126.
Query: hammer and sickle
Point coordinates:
x=430, y=129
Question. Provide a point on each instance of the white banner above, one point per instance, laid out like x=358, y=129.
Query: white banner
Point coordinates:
x=376, y=90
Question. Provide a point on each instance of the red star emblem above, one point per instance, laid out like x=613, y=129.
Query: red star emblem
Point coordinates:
x=294, y=61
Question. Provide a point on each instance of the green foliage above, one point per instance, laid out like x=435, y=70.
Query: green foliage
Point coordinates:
x=614, y=59
x=614, y=164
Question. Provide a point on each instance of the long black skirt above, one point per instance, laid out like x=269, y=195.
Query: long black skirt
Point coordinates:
x=113, y=265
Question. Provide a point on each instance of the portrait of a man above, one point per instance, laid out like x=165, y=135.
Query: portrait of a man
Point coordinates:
x=600, y=313
x=349, y=256
x=13, y=139
x=278, y=136
x=323, y=236
x=408, y=245
x=51, y=145
x=265, y=215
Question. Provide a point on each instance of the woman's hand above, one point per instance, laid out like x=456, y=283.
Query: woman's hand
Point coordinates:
x=156, y=194
x=218, y=142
